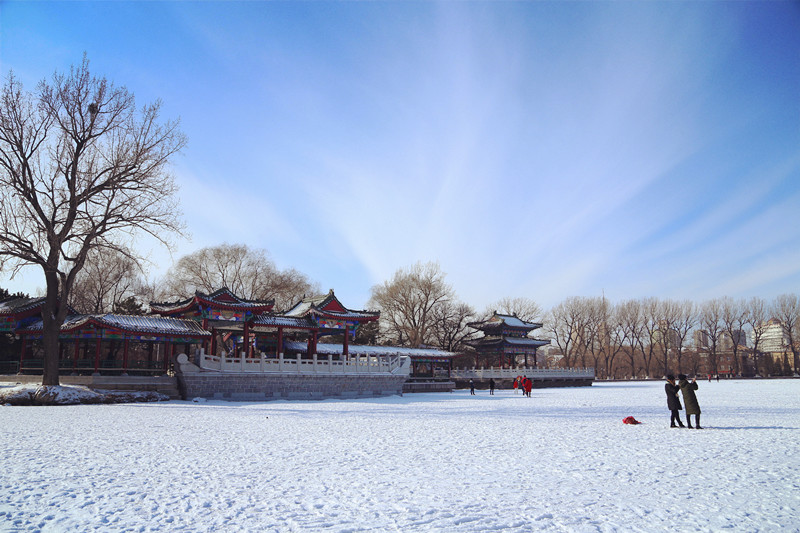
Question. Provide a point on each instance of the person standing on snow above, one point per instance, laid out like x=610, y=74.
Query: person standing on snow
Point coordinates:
x=673, y=402
x=690, y=400
x=528, y=384
x=491, y=386
x=472, y=387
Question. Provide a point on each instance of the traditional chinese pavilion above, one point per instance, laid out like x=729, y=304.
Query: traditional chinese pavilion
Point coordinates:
x=111, y=343
x=505, y=339
x=251, y=326
x=19, y=312
x=224, y=315
x=330, y=317
x=223, y=346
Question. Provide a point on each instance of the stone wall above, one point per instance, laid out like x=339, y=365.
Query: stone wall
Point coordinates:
x=260, y=387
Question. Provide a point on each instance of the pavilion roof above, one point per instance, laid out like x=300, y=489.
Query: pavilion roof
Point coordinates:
x=500, y=321
x=329, y=306
x=20, y=305
x=222, y=299
x=505, y=341
x=17, y=306
x=129, y=323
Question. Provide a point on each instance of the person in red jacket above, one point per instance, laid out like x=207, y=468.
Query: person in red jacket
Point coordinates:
x=528, y=384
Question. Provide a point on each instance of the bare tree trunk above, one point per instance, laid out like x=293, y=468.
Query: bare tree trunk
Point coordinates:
x=50, y=360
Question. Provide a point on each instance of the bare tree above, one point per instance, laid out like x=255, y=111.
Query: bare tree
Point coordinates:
x=668, y=313
x=248, y=273
x=107, y=279
x=408, y=302
x=711, y=322
x=523, y=308
x=786, y=308
x=631, y=322
x=650, y=322
x=756, y=319
x=80, y=169
x=734, y=318
x=450, y=329
x=564, y=323
x=685, y=321
x=619, y=337
x=595, y=335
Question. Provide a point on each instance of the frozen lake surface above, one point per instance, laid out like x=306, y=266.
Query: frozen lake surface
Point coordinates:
x=559, y=461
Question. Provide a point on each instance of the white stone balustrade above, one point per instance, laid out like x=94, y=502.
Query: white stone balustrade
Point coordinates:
x=296, y=365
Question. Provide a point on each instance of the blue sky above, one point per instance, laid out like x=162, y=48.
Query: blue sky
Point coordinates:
x=538, y=149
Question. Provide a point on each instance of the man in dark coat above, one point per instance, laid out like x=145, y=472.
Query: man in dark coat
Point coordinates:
x=690, y=400
x=673, y=402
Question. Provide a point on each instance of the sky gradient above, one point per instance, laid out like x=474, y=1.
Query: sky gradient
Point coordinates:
x=537, y=149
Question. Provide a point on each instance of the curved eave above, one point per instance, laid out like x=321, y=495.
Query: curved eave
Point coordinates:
x=353, y=316
x=173, y=308
x=283, y=322
x=187, y=328
x=508, y=341
x=255, y=308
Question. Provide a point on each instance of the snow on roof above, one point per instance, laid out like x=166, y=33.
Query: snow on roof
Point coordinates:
x=511, y=321
x=514, y=322
x=141, y=324
x=220, y=298
x=526, y=341
x=284, y=321
x=18, y=305
x=299, y=310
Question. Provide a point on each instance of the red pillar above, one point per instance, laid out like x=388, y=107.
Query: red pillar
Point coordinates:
x=346, y=350
x=205, y=342
x=22, y=352
x=125, y=356
x=246, y=339
x=97, y=354
x=77, y=353
x=167, y=354
x=213, y=341
x=279, y=346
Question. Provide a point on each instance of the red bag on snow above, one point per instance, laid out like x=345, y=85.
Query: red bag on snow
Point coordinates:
x=630, y=420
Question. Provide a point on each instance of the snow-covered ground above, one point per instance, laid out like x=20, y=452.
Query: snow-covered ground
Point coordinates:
x=559, y=461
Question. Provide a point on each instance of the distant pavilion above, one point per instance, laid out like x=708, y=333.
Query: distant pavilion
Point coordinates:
x=505, y=338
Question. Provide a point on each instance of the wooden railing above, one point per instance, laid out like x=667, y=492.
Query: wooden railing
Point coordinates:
x=511, y=373
x=316, y=365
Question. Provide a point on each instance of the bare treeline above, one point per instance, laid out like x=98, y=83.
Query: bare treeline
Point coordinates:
x=650, y=337
x=645, y=337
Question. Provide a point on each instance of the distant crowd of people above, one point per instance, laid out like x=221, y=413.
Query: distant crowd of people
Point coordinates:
x=521, y=383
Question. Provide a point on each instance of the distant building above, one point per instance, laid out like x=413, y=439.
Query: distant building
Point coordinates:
x=726, y=341
x=672, y=336
x=505, y=339
x=774, y=339
x=701, y=340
